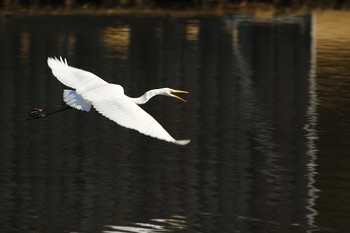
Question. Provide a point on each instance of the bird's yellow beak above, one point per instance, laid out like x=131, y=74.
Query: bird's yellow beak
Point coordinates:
x=178, y=91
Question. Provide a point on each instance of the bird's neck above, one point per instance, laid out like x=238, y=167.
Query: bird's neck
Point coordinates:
x=145, y=97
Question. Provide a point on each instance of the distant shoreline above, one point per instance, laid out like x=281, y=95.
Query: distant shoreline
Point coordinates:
x=250, y=8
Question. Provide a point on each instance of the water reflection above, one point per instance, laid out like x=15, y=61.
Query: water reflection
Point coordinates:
x=173, y=224
x=71, y=44
x=253, y=115
x=192, y=30
x=117, y=39
x=312, y=133
x=269, y=74
x=333, y=49
x=25, y=45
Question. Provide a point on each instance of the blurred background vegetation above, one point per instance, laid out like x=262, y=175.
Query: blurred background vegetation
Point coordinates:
x=9, y=5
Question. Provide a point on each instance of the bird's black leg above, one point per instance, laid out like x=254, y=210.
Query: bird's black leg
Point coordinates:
x=43, y=112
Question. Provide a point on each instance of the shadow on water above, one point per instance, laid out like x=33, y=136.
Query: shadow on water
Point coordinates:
x=252, y=117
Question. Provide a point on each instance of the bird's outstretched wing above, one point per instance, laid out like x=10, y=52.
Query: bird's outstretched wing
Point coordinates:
x=73, y=77
x=109, y=100
x=120, y=109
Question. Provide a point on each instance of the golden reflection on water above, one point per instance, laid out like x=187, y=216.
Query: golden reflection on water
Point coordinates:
x=24, y=48
x=333, y=26
x=24, y=44
x=71, y=41
x=333, y=37
x=333, y=55
x=333, y=85
x=192, y=30
x=117, y=39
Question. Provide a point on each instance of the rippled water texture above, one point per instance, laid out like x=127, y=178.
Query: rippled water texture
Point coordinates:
x=268, y=115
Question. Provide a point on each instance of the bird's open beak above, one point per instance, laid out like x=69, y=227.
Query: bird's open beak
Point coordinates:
x=178, y=91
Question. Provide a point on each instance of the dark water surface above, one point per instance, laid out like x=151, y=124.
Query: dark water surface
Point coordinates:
x=268, y=115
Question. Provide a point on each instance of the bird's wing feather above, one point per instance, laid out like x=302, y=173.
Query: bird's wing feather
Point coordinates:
x=73, y=99
x=125, y=112
x=71, y=76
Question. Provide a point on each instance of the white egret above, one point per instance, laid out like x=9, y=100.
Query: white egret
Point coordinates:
x=108, y=99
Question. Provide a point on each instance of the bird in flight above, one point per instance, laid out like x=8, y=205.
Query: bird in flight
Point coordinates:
x=108, y=99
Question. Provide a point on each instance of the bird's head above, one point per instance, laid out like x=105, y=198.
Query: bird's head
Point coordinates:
x=171, y=92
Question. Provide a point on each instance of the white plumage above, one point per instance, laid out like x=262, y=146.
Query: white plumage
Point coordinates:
x=109, y=100
x=73, y=99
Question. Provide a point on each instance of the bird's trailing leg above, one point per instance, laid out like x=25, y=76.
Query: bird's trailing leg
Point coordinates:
x=43, y=112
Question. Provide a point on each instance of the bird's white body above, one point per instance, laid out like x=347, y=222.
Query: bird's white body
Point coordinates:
x=109, y=100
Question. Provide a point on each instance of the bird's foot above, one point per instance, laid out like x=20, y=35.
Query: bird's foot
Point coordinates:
x=36, y=113
x=38, y=110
